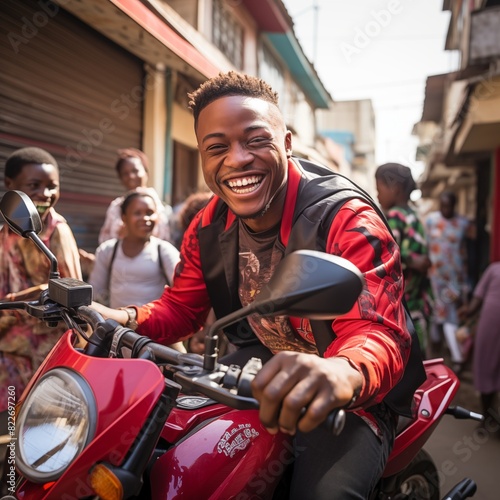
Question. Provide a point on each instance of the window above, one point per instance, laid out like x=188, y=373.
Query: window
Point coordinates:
x=227, y=33
x=271, y=72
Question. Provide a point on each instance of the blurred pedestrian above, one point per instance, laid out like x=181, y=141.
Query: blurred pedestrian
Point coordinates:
x=136, y=268
x=486, y=352
x=187, y=210
x=132, y=169
x=395, y=184
x=24, y=269
x=446, y=232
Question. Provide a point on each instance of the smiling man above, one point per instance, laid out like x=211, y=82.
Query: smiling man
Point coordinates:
x=266, y=204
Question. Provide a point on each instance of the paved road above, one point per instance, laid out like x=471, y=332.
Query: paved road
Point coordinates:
x=460, y=449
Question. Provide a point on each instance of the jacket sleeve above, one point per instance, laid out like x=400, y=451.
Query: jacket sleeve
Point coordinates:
x=183, y=308
x=373, y=335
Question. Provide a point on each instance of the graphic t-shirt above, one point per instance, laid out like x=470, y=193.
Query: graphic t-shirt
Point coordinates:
x=258, y=256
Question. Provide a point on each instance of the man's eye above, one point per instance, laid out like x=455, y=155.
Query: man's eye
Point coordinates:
x=215, y=148
x=258, y=141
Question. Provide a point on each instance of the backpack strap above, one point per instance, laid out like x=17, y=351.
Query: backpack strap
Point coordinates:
x=110, y=264
x=162, y=267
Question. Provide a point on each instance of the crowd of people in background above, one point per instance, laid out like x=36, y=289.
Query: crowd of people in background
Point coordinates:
x=444, y=302
x=139, y=243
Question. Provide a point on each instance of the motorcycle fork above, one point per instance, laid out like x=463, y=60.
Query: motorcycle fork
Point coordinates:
x=130, y=472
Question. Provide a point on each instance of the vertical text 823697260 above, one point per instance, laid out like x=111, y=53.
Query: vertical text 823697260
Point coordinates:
x=11, y=429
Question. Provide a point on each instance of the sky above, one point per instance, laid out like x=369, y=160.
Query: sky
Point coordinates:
x=381, y=50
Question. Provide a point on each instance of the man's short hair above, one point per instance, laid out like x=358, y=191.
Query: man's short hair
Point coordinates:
x=449, y=196
x=24, y=156
x=230, y=84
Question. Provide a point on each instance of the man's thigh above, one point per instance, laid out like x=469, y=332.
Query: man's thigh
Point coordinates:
x=347, y=466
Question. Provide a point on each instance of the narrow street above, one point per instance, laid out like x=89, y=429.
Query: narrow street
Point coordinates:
x=460, y=449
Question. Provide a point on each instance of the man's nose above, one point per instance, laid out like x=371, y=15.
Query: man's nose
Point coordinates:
x=238, y=155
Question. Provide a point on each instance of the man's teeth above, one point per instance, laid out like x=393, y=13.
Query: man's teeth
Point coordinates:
x=247, y=183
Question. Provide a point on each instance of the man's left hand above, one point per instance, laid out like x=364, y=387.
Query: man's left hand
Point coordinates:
x=291, y=383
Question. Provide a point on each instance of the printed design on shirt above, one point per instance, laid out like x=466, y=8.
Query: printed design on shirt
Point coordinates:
x=275, y=332
x=236, y=439
x=190, y=247
x=391, y=282
x=250, y=286
x=305, y=331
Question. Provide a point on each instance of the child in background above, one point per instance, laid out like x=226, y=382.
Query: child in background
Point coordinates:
x=24, y=270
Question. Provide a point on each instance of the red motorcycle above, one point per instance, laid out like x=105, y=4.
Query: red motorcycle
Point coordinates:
x=126, y=417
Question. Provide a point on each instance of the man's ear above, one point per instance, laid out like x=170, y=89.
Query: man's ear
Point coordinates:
x=288, y=144
x=8, y=182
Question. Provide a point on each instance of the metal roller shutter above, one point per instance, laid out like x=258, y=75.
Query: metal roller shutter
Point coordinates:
x=66, y=88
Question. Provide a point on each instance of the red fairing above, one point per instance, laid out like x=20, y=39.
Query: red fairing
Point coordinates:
x=232, y=456
x=125, y=392
x=432, y=398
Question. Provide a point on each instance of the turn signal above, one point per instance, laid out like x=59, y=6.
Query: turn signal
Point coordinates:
x=105, y=483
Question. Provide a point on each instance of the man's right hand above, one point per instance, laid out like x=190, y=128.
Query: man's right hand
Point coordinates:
x=119, y=315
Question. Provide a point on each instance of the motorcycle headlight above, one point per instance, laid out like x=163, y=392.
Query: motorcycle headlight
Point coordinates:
x=55, y=423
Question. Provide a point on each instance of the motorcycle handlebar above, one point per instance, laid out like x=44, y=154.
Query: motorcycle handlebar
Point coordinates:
x=187, y=370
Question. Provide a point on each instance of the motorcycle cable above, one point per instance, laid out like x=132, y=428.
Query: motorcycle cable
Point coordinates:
x=75, y=326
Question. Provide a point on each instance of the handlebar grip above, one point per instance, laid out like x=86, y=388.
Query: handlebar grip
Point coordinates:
x=335, y=421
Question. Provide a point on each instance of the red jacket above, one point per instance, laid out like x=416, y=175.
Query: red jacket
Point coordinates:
x=372, y=335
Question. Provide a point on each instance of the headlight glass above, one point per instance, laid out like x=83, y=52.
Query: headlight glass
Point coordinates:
x=55, y=423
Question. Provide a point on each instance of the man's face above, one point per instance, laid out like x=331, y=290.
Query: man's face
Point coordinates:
x=244, y=147
x=447, y=207
x=40, y=181
x=386, y=196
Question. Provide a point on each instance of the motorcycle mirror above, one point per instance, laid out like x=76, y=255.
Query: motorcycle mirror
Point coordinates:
x=307, y=284
x=23, y=218
x=20, y=213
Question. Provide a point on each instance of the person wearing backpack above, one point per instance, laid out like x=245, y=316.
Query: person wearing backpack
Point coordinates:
x=136, y=268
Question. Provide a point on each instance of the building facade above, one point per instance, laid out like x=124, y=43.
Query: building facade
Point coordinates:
x=460, y=126
x=83, y=79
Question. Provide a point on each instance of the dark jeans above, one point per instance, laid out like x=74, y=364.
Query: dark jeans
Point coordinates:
x=341, y=467
x=347, y=466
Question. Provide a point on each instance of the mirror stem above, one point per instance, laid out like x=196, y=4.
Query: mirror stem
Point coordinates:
x=54, y=273
x=210, y=356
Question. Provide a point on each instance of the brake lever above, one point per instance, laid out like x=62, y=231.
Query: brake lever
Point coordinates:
x=49, y=312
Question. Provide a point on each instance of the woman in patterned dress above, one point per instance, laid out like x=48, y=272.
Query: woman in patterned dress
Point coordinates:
x=394, y=185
